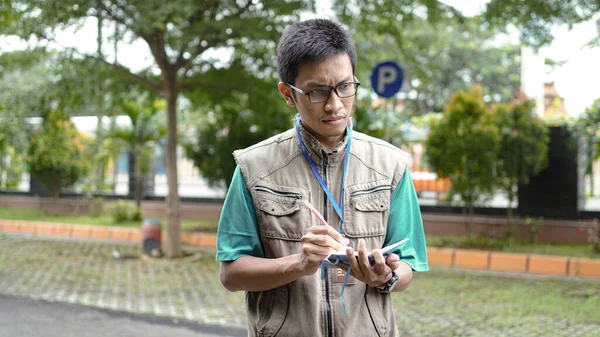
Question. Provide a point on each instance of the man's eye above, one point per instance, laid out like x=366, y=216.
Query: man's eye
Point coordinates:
x=320, y=91
x=344, y=86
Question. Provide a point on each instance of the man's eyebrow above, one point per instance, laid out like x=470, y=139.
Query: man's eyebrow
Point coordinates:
x=319, y=84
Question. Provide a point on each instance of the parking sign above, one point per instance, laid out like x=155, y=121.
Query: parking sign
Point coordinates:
x=387, y=78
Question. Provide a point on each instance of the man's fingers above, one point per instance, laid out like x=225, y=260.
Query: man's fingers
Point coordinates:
x=322, y=240
x=363, y=258
x=380, y=265
x=328, y=230
x=354, y=263
x=320, y=251
x=393, y=261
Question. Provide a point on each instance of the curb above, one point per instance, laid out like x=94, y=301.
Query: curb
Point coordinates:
x=98, y=232
x=460, y=258
x=514, y=262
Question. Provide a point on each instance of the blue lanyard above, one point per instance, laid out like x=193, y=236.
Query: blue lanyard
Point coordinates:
x=336, y=206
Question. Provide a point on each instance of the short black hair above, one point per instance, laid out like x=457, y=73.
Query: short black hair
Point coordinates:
x=311, y=41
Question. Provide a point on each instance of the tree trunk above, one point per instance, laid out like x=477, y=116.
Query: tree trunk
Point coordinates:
x=511, y=231
x=172, y=245
x=591, y=162
x=99, y=164
x=138, y=178
x=467, y=212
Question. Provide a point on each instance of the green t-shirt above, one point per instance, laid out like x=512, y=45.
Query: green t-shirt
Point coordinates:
x=238, y=233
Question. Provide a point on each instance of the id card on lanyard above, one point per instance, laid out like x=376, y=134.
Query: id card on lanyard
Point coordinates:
x=337, y=206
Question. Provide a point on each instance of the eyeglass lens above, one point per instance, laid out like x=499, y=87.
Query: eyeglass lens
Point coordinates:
x=343, y=90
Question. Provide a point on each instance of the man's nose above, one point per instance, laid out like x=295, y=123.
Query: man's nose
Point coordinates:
x=334, y=103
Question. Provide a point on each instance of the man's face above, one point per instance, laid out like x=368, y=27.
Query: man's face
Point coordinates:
x=326, y=120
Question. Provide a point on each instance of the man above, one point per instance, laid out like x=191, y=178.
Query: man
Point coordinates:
x=272, y=245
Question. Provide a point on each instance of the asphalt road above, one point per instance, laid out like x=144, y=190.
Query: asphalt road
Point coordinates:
x=32, y=318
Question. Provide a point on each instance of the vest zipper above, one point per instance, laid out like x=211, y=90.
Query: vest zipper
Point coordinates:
x=328, y=305
x=372, y=190
x=278, y=193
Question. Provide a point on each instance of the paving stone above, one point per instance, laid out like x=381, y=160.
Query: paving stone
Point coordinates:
x=84, y=272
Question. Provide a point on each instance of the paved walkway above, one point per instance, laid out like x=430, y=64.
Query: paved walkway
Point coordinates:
x=37, y=318
x=86, y=273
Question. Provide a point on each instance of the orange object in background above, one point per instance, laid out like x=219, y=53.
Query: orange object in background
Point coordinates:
x=438, y=185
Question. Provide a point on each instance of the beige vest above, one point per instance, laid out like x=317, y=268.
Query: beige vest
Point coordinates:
x=279, y=180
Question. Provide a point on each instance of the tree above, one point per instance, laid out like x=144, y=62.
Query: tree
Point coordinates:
x=523, y=150
x=462, y=146
x=588, y=128
x=12, y=140
x=442, y=59
x=535, y=18
x=146, y=130
x=7, y=16
x=55, y=155
x=179, y=35
x=35, y=81
x=236, y=121
x=23, y=77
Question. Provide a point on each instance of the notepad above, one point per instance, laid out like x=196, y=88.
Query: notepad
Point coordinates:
x=341, y=257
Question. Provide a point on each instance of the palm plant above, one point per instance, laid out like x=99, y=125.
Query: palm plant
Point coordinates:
x=147, y=127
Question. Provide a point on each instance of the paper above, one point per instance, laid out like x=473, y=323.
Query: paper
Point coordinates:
x=341, y=257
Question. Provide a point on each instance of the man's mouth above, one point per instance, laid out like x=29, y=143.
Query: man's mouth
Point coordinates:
x=332, y=119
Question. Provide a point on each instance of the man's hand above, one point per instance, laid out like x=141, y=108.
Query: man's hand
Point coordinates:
x=317, y=244
x=375, y=275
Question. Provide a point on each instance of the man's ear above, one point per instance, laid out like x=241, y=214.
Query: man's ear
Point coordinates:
x=286, y=92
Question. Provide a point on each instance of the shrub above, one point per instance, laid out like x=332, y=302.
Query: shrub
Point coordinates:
x=123, y=211
x=594, y=236
x=55, y=154
x=96, y=207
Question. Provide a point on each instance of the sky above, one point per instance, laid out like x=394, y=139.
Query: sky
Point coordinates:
x=577, y=80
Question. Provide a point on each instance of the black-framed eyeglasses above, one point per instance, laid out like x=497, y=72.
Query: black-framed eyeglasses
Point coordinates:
x=322, y=93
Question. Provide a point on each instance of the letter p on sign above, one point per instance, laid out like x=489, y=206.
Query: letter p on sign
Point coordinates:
x=386, y=79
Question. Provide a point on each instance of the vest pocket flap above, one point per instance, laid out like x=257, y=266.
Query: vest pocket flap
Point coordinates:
x=277, y=208
x=371, y=205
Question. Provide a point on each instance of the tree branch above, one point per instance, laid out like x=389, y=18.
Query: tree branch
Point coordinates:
x=111, y=15
x=155, y=86
x=187, y=63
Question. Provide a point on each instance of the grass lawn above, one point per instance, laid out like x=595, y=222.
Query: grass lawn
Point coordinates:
x=86, y=219
x=572, y=250
x=499, y=303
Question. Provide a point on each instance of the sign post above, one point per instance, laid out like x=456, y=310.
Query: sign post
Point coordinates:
x=386, y=80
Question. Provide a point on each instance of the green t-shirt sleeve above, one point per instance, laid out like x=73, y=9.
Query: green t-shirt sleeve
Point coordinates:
x=238, y=233
x=405, y=222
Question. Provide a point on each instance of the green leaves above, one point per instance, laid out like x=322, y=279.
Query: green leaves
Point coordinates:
x=55, y=155
x=439, y=59
x=588, y=128
x=462, y=146
x=147, y=116
x=481, y=149
x=523, y=151
x=524, y=142
x=238, y=120
x=535, y=18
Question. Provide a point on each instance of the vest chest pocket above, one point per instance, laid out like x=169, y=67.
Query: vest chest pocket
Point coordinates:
x=280, y=214
x=369, y=210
